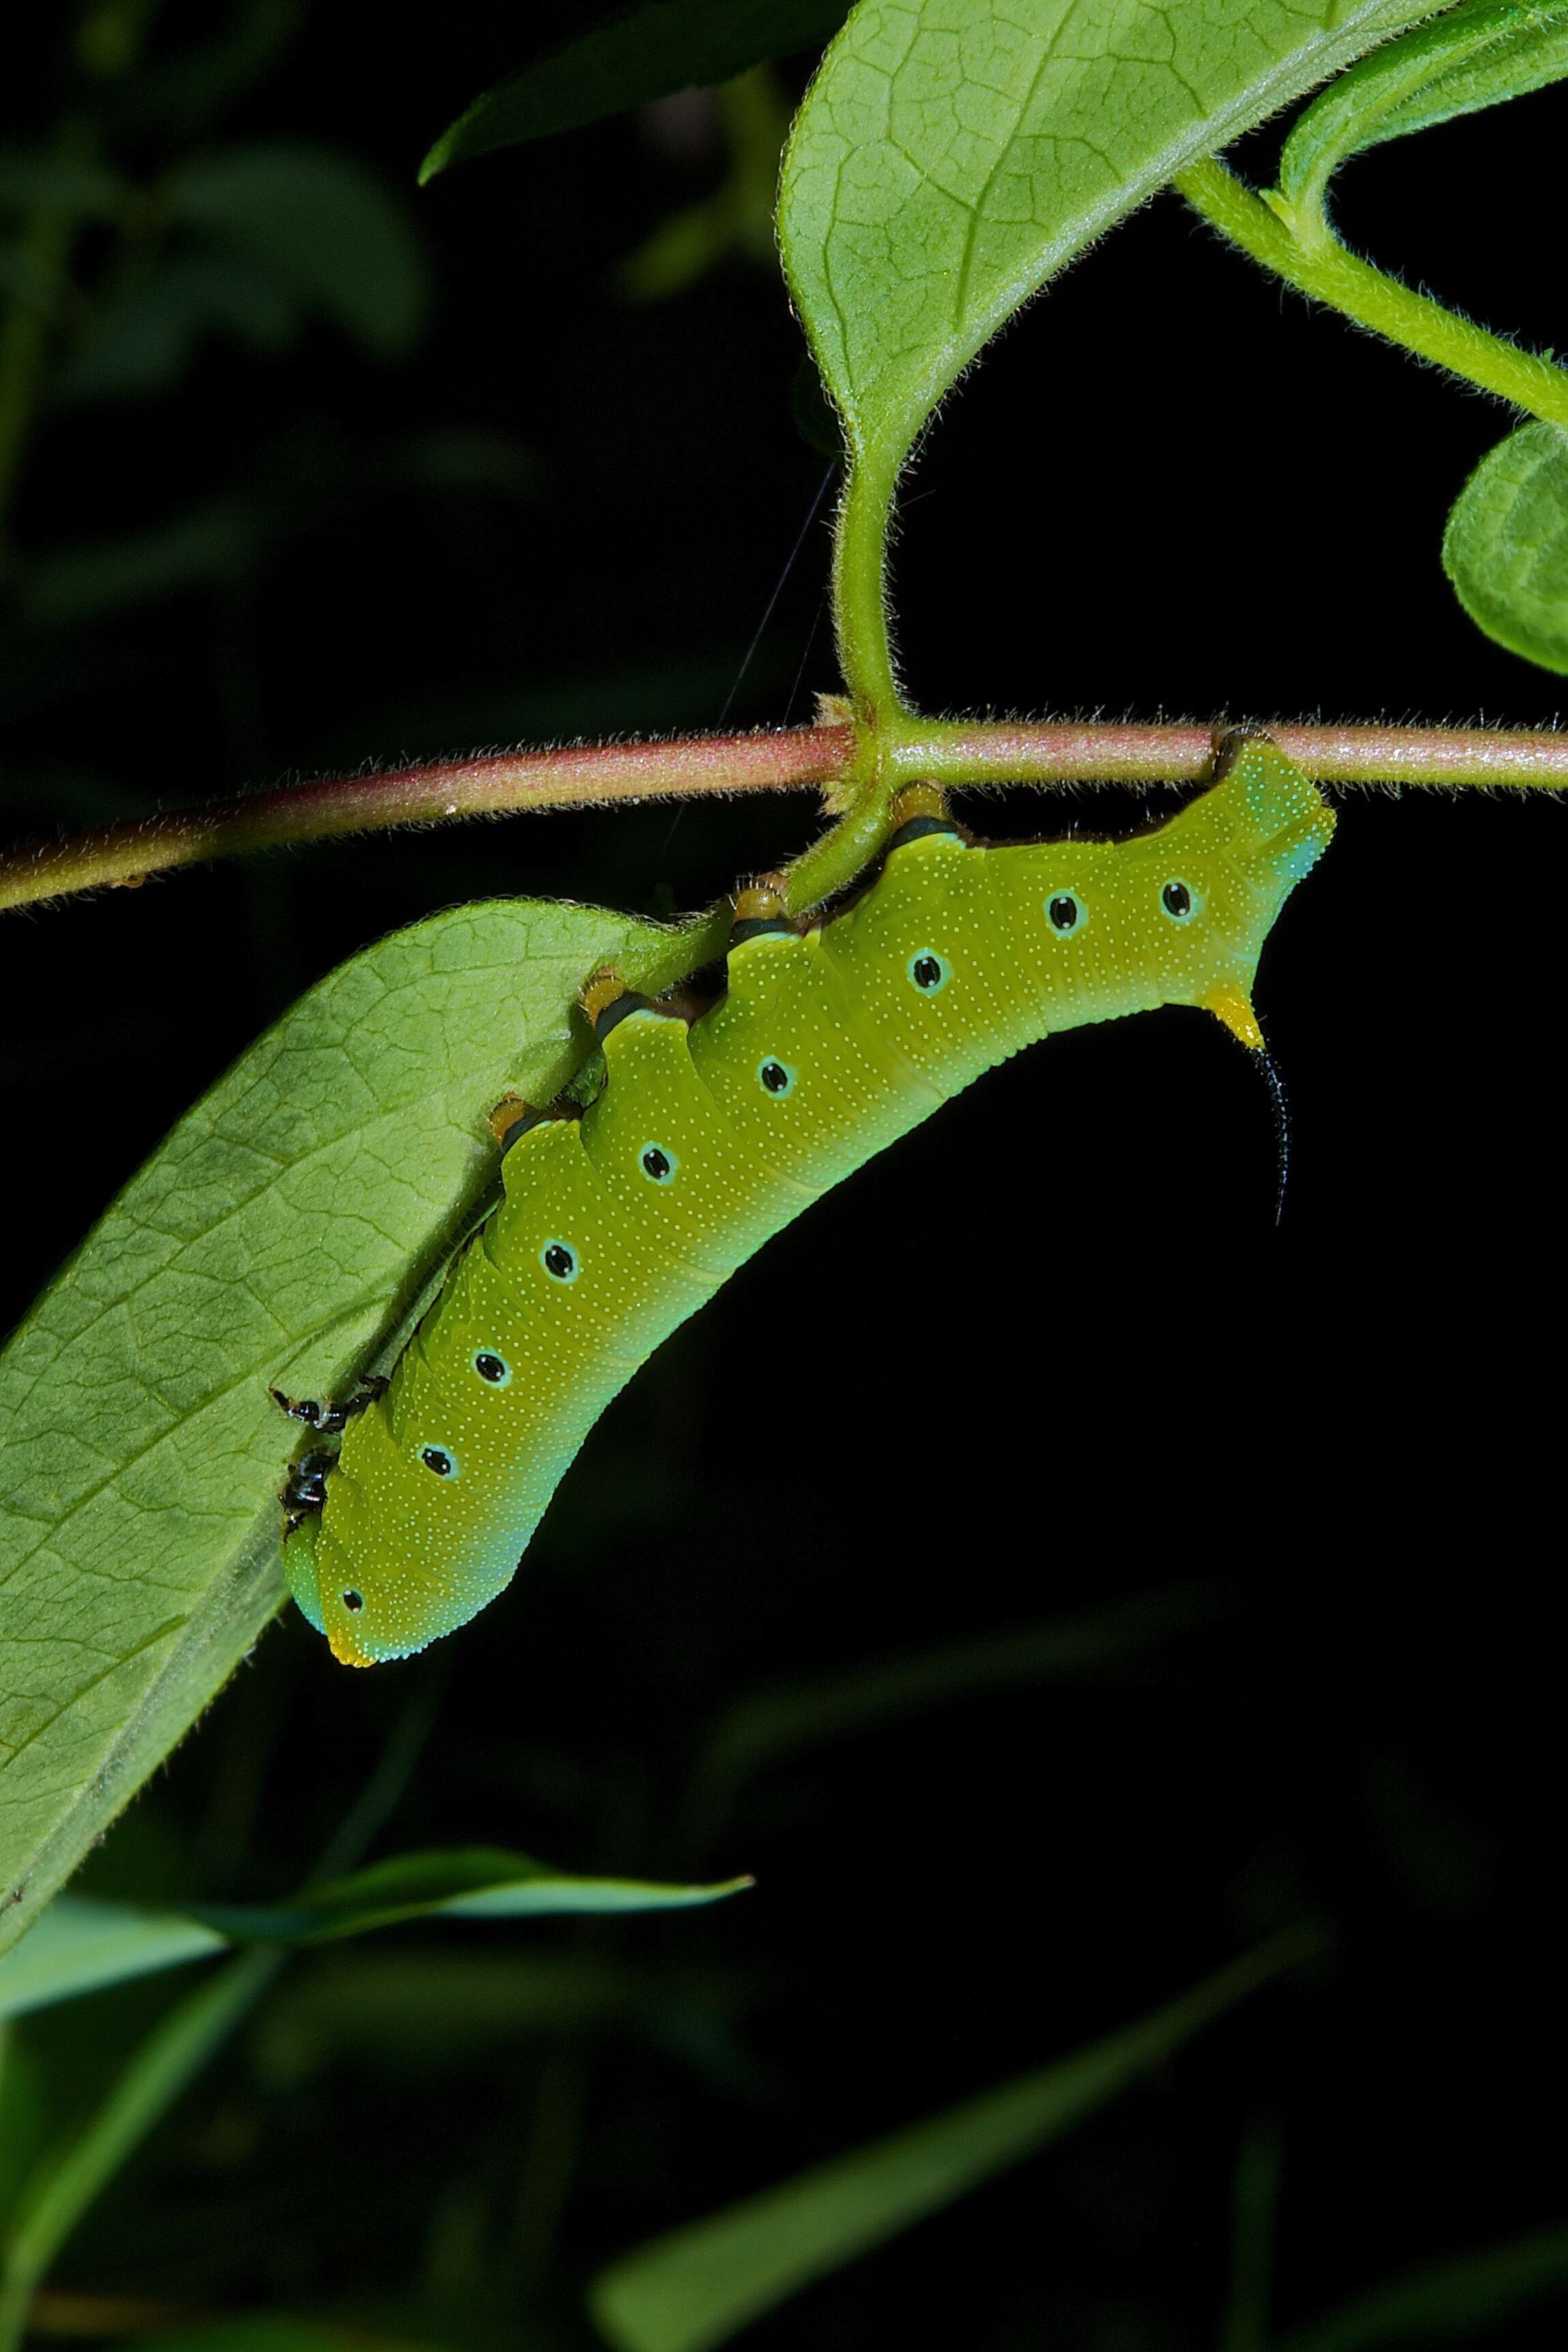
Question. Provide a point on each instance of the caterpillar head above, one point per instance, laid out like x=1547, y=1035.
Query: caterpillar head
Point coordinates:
x=1215, y=877
x=1276, y=822
x=302, y=1569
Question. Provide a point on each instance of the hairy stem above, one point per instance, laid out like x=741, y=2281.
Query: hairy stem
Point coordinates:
x=580, y=776
x=860, y=592
x=950, y=752
x=1320, y=266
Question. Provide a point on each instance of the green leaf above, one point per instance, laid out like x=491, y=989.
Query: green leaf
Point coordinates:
x=953, y=155
x=1530, y=52
x=1451, y=2299
x=643, y=54
x=699, y=2284
x=80, y=1946
x=323, y=227
x=280, y=1234
x=1505, y=549
x=485, y=1883
x=1475, y=56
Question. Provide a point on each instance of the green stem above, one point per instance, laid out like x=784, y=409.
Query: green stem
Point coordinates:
x=860, y=592
x=1322, y=267
x=845, y=850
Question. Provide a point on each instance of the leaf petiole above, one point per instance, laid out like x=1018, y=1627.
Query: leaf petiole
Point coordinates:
x=1366, y=294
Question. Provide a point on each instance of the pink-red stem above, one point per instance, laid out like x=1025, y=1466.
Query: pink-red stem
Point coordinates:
x=594, y=775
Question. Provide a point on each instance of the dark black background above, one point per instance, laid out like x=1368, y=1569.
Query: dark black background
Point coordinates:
x=1049, y=1353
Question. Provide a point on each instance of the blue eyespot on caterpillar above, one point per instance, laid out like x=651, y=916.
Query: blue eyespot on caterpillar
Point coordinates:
x=718, y=1119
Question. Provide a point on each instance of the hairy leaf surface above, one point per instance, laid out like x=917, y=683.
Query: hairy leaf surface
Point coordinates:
x=1529, y=51
x=1478, y=56
x=953, y=155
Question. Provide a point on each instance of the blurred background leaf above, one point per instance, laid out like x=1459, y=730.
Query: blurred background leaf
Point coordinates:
x=751, y=116
x=482, y=1884
x=768, y=1724
x=265, y=2334
x=323, y=227
x=701, y=2284
x=184, y=86
x=420, y=2011
x=79, y=1944
x=247, y=246
x=302, y=487
x=1255, y=2222
x=1453, y=2300
x=640, y=53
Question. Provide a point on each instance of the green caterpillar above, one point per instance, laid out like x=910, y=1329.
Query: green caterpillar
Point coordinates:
x=829, y=1040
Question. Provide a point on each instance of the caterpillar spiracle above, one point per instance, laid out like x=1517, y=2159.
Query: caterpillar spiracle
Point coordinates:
x=830, y=1039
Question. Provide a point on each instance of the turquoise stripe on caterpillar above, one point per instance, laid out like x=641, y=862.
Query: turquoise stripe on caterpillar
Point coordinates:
x=827, y=1044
